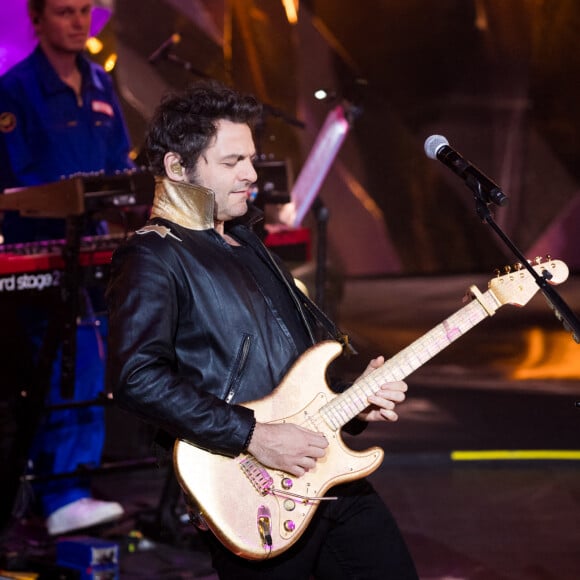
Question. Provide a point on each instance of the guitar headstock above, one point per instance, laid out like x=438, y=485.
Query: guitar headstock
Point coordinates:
x=518, y=286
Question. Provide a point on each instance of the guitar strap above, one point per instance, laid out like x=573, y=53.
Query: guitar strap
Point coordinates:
x=331, y=328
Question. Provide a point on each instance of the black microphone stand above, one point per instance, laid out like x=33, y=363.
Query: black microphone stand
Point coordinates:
x=321, y=216
x=561, y=310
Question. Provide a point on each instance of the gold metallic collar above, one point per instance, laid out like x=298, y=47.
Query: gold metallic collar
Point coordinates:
x=190, y=206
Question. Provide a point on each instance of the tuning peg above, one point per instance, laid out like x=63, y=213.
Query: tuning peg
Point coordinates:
x=538, y=260
x=507, y=269
x=518, y=266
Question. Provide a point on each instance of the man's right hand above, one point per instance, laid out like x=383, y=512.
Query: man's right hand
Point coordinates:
x=288, y=447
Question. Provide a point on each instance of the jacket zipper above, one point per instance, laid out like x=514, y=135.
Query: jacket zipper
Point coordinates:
x=241, y=363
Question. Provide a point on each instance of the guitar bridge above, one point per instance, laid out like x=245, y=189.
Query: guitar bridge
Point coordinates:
x=257, y=474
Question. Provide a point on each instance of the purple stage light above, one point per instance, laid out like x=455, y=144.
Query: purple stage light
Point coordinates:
x=17, y=39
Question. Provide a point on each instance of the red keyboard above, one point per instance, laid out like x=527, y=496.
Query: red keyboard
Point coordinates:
x=38, y=266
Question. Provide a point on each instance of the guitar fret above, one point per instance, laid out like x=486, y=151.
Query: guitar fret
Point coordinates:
x=344, y=407
x=361, y=403
x=369, y=385
x=356, y=405
x=341, y=408
x=330, y=417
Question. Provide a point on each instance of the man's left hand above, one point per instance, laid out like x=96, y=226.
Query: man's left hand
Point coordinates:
x=382, y=404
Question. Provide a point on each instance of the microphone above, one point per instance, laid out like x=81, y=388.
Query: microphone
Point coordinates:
x=437, y=147
x=165, y=47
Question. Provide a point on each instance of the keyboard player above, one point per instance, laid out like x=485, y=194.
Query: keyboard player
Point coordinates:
x=59, y=116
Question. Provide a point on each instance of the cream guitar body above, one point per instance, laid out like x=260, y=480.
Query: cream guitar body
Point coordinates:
x=258, y=512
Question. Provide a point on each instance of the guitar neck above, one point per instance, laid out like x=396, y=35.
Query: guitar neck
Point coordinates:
x=349, y=404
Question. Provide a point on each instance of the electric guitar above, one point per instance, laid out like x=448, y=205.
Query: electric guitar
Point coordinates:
x=258, y=512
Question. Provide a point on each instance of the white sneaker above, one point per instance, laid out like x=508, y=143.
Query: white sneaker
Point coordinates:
x=82, y=513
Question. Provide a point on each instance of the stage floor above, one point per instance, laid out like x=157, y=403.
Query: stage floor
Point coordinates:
x=510, y=385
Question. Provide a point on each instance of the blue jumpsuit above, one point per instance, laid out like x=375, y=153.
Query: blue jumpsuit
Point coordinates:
x=47, y=134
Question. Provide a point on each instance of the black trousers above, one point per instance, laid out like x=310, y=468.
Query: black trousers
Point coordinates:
x=352, y=538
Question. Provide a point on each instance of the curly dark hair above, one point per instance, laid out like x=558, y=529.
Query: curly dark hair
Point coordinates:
x=185, y=122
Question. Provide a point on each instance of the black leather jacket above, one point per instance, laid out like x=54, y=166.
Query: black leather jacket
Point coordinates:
x=190, y=333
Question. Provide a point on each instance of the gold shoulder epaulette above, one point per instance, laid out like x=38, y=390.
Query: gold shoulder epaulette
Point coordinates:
x=161, y=231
